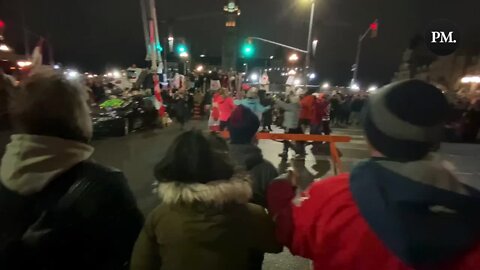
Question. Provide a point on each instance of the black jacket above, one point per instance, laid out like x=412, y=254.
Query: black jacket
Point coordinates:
x=249, y=157
x=86, y=218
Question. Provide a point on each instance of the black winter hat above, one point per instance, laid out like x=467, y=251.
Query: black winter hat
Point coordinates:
x=242, y=125
x=404, y=120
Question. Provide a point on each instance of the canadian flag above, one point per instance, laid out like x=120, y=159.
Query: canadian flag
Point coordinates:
x=158, y=96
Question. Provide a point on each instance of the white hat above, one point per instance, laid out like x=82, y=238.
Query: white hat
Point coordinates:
x=301, y=91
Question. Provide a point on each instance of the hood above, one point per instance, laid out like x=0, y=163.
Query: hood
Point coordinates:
x=419, y=210
x=30, y=162
x=221, y=192
x=246, y=156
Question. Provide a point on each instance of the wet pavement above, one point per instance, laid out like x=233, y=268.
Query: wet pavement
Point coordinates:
x=137, y=154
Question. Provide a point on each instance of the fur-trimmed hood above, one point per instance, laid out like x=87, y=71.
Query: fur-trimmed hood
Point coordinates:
x=238, y=189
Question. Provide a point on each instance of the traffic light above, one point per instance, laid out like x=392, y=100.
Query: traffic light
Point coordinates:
x=248, y=50
x=2, y=27
x=159, y=47
x=374, y=29
x=182, y=48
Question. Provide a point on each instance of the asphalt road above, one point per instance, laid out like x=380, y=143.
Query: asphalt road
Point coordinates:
x=137, y=154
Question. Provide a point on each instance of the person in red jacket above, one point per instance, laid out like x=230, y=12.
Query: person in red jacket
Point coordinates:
x=225, y=107
x=306, y=112
x=401, y=209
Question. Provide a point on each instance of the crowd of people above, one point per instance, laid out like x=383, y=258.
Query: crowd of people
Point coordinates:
x=221, y=204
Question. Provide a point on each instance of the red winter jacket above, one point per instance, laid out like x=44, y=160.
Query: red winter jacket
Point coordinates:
x=320, y=111
x=225, y=107
x=326, y=226
x=306, y=104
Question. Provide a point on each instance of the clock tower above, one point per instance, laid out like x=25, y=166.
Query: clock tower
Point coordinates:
x=230, y=44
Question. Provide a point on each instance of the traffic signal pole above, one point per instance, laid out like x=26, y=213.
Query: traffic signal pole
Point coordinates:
x=278, y=44
x=359, y=50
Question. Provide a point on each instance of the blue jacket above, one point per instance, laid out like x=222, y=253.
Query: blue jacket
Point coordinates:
x=254, y=105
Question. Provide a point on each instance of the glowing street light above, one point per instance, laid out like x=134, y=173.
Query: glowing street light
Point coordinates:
x=312, y=76
x=4, y=48
x=354, y=87
x=372, y=88
x=325, y=85
x=293, y=57
x=199, y=68
x=271, y=57
x=202, y=55
x=116, y=74
x=72, y=74
x=254, y=77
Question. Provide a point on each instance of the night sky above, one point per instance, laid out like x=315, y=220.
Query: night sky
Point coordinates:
x=95, y=34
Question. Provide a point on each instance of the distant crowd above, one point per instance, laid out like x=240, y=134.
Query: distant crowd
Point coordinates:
x=221, y=205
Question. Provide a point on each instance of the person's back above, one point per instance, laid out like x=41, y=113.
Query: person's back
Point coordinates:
x=204, y=220
x=243, y=127
x=203, y=237
x=306, y=111
x=401, y=209
x=59, y=210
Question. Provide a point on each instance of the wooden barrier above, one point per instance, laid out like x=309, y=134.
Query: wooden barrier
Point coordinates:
x=331, y=139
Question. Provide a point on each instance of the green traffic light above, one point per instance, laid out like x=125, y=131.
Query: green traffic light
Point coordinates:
x=181, y=48
x=159, y=47
x=248, y=50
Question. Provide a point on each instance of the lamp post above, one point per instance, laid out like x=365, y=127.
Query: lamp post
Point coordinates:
x=309, y=43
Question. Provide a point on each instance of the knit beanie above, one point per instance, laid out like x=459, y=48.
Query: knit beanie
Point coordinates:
x=242, y=125
x=404, y=120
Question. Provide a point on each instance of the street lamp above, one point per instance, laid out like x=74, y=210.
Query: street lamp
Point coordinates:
x=254, y=77
x=293, y=57
x=354, y=87
x=199, y=68
x=246, y=67
x=372, y=88
x=309, y=41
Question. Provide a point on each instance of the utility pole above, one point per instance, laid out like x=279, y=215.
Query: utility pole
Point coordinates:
x=309, y=45
x=150, y=30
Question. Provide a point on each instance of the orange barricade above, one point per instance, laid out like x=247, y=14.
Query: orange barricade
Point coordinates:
x=196, y=112
x=331, y=139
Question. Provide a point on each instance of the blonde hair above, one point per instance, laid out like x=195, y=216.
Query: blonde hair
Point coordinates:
x=48, y=104
x=223, y=92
